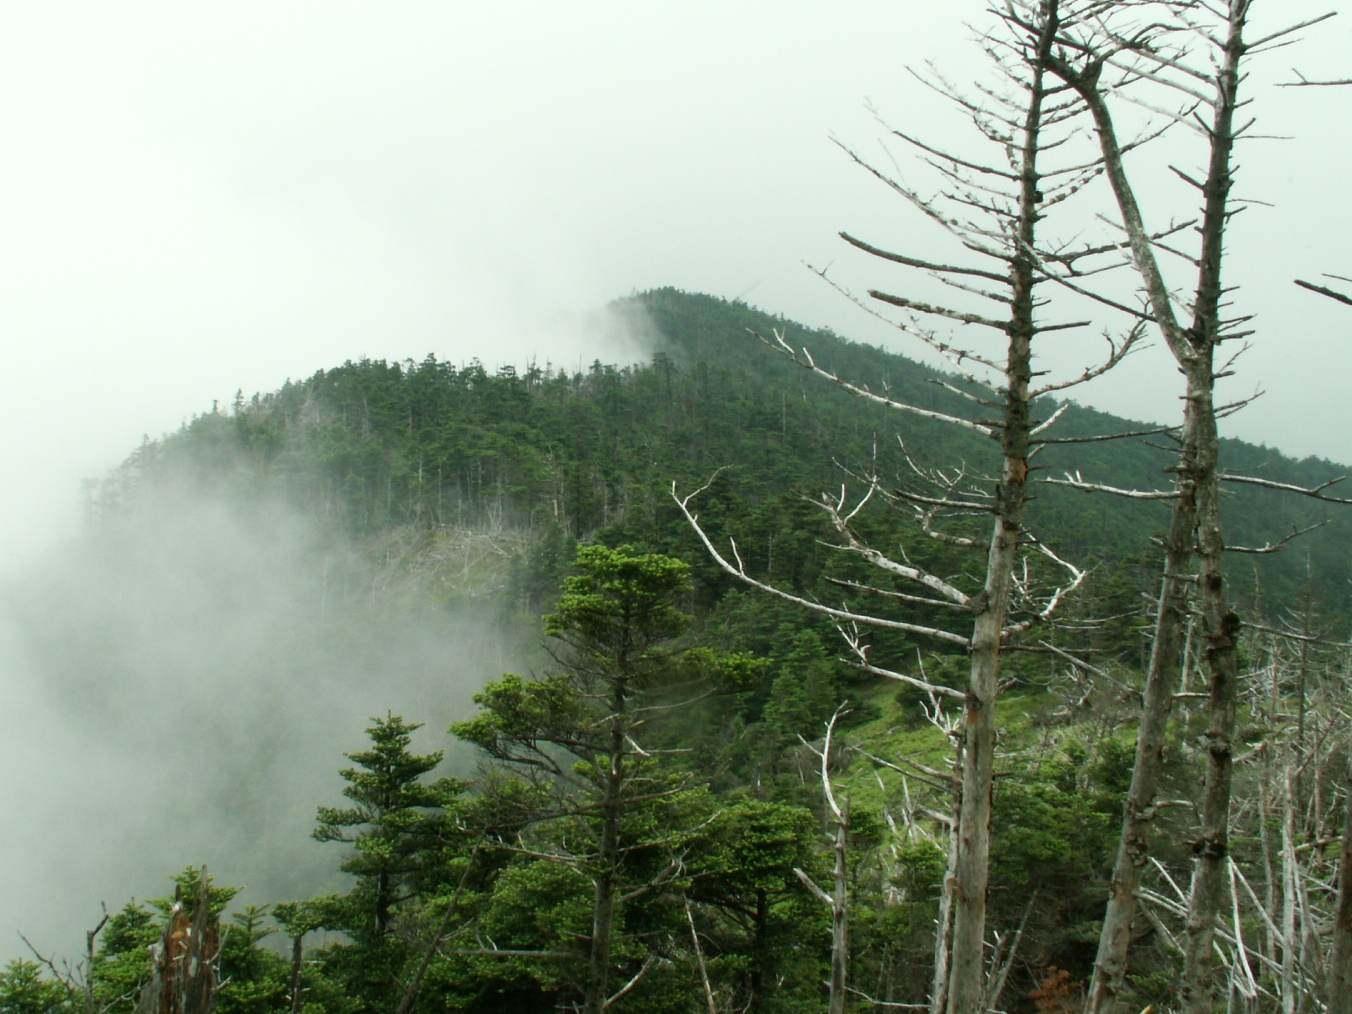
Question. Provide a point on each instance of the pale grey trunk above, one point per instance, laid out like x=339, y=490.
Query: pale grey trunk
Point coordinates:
x=1290, y=895
x=1161, y=682
x=840, y=916
x=1198, y=488
x=1220, y=624
x=1339, y=976
x=943, y=929
x=967, y=979
x=1212, y=845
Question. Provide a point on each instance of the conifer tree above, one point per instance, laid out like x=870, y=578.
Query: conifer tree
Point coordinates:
x=578, y=732
x=392, y=824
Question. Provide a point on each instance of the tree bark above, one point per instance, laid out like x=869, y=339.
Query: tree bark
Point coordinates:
x=1220, y=624
x=840, y=915
x=1339, y=979
x=967, y=980
x=185, y=963
x=1199, y=495
x=943, y=925
x=1161, y=683
x=605, y=877
x=297, y=970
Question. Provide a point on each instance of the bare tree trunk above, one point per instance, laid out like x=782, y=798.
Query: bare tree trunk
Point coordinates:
x=838, y=901
x=967, y=980
x=1220, y=624
x=1290, y=874
x=840, y=915
x=1339, y=977
x=943, y=928
x=700, y=963
x=1138, y=815
x=1198, y=494
x=185, y=963
x=90, y=937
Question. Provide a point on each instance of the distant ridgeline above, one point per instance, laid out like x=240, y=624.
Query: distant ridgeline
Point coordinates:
x=414, y=453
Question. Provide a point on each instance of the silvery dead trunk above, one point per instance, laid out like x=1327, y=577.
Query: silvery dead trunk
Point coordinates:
x=1339, y=975
x=1198, y=494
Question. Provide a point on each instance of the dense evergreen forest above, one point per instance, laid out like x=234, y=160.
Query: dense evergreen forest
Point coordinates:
x=408, y=452
x=670, y=813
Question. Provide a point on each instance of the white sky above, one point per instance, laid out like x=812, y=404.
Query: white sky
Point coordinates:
x=196, y=198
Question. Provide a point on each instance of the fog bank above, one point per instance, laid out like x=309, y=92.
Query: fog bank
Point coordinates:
x=179, y=687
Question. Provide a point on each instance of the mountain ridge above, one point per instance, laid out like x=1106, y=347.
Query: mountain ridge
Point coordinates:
x=371, y=444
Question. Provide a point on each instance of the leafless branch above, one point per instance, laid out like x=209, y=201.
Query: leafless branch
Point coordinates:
x=887, y=593
x=738, y=571
x=1273, y=547
x=1099, y=437
x=1314, y=492
x=804, y=358
x=1322, y=290
x=1073, y=481
x=861, y=651
x=916, y=262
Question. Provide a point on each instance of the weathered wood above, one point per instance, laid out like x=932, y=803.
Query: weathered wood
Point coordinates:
x=1339, y=981
x=185, y=969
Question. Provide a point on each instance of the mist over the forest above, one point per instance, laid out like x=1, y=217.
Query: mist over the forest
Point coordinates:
x=179, y=686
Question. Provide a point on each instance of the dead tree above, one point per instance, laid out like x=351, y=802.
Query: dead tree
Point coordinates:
x=78, y=979
x=1339, y=976
x=1113, y=47
x=185, y=964
x=838, y=900
x=995, y=211
x=948, y=784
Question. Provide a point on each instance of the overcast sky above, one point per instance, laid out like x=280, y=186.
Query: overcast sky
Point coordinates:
x=199, y=198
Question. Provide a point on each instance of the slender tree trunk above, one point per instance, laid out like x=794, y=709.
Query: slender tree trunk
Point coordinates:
x=605, y=877
x=1339, y=978
x=838, y=901
x=297, y=969
x=1212, y=846
x=840, y=915
x=966, y=981
x=1290, y=931
x=1198, y=488
x=1161, y=682
x=943, y=926
x=966, y=978
x=603, y=921
x=1220, y=624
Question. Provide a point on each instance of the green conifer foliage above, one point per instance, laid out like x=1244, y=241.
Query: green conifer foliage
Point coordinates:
x=392, y=824
x=23, y=990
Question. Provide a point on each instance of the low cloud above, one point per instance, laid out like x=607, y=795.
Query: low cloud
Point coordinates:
x=179, y=687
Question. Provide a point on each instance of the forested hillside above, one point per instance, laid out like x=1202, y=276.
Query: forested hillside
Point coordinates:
x=657, y=814
x=409, y=451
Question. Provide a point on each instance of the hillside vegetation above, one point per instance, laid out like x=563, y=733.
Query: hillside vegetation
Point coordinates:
x=410, y=451
x=689, y=842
